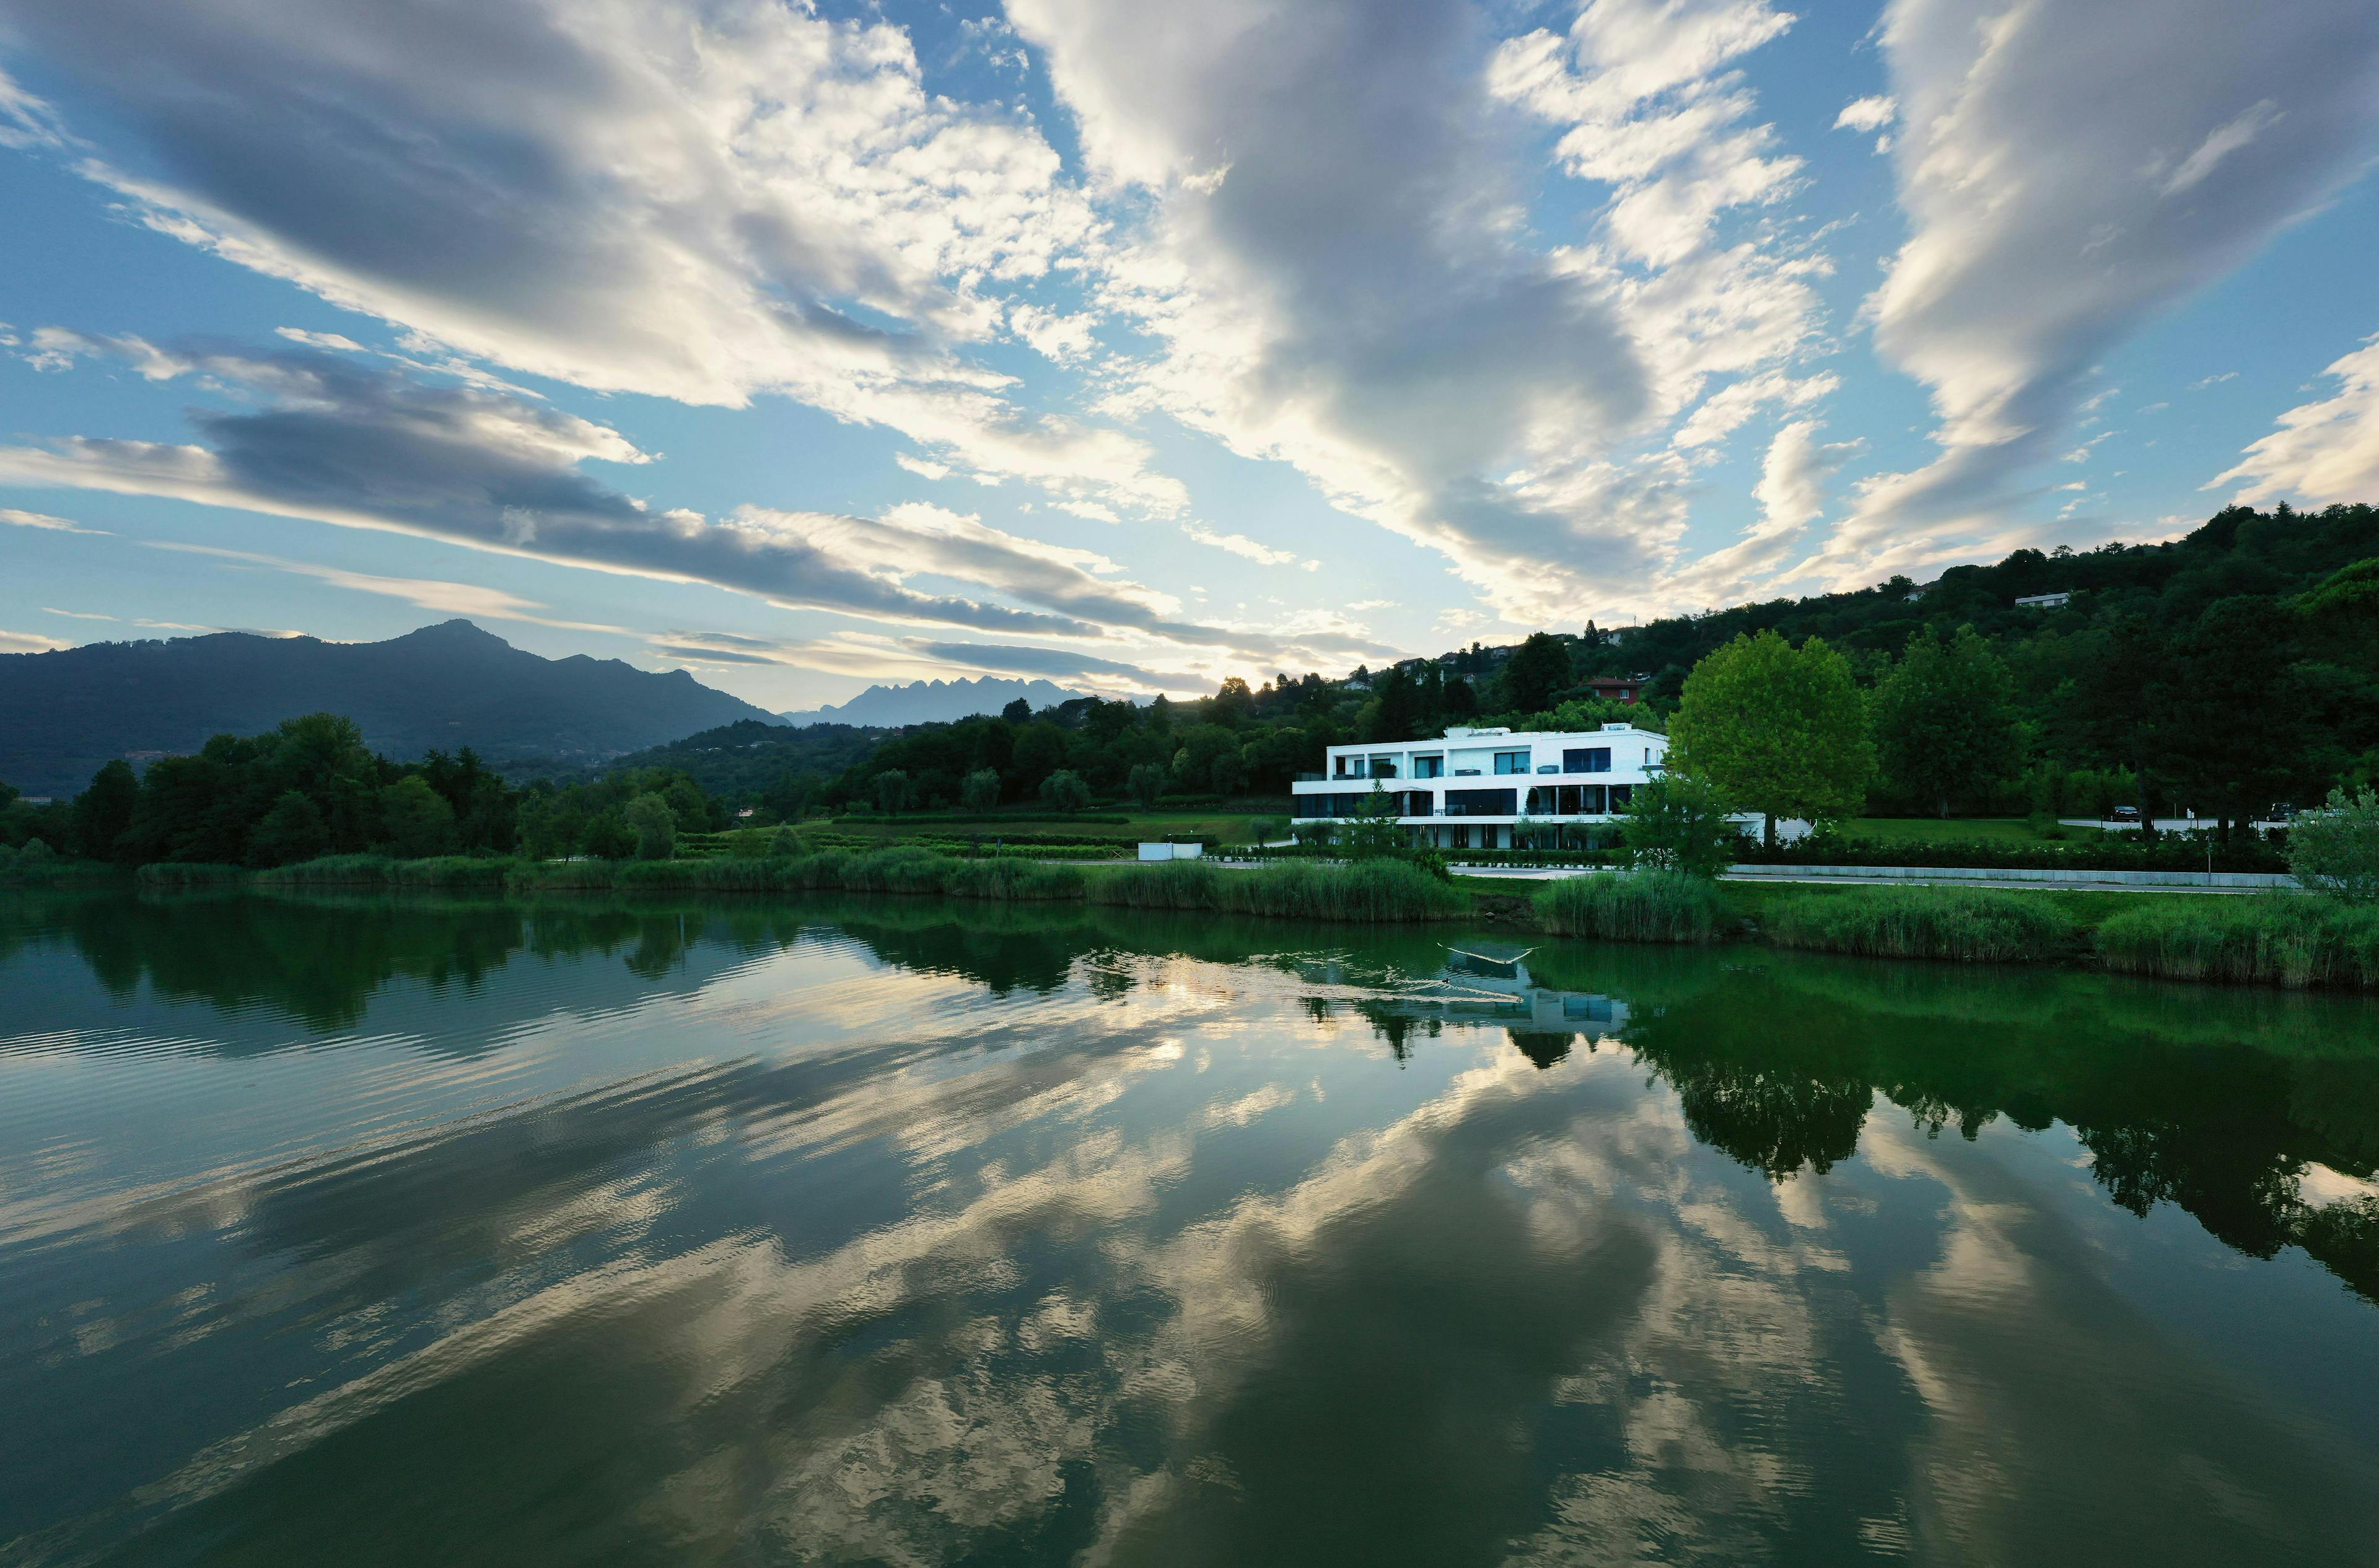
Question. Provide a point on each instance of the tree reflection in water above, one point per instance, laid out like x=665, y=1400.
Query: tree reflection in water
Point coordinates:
x=2218, y=1102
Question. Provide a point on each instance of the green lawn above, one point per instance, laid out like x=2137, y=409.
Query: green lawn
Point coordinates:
x=1954, y=829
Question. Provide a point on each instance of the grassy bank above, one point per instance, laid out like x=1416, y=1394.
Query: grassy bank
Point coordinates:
x=1376, y=891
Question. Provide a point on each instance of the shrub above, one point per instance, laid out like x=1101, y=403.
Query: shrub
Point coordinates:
x=2274, y=939
x=1646, y=905
x=1967, y=924
x=2336, y=849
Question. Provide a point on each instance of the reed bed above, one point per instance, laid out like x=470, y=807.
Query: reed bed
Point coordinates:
x=1652, y=906
x=2290, y=939
x=906, y=869
x=1366, y=891
x=1963, y=924
x=193, y=873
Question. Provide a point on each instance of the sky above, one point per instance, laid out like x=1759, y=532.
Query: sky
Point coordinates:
x=1136, y=345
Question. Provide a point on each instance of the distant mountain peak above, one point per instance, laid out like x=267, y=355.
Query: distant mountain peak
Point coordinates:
x=933, y=702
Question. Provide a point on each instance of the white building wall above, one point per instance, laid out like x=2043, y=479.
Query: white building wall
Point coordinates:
x=1466, y=757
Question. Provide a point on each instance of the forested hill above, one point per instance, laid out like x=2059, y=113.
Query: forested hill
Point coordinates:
x=2236, y=665
x=2239, y=553
x=750, y=763
x=63, y=714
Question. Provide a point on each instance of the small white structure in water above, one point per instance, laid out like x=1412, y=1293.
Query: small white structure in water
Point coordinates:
x=1149, y=852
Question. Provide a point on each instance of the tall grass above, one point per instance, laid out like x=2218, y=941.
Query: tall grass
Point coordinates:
x=1967, y=924
x=1368, y=891
x=1653, y=906
x=385, y=871
x=905, y=869
x=2272, y=939
x=189, y=875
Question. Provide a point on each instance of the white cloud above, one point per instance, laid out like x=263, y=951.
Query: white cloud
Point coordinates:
x=469, y=599
x=703, y=201
x=1239, y=544
x=1868, y=113
x=43, y=519
x=1335, y=265
x=76, y=614
x=2219, y=143
x=2205, y=381
x=2057, y=204
x=2323, y=451
x=29, y=642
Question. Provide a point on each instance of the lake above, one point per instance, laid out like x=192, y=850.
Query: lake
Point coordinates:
x=447, y=1231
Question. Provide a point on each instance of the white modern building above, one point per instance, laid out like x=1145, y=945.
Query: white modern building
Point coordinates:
x=1468, y=788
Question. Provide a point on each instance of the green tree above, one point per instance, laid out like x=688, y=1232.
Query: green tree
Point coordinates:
x=1945, y=724
x=1373, y=830
x=103, y=812
x=981, y=791
x=292, y=831
x=416, y=821
x=1064, y=791
x=2336, y=847
x=1146, y=783
x=651, y=819
x=892, y=790
x=1537, y=669
x=1040, y=751
x=1776, y=730
x=1017, y=712
x=2241, y=725
x=608, y=836
x=1679, y=824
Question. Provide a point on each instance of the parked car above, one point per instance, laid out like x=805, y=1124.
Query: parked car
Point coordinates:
x=2124, y=814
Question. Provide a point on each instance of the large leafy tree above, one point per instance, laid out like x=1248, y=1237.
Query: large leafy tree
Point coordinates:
x=1945, y=722
x=1537, y=669
x=1776, y=730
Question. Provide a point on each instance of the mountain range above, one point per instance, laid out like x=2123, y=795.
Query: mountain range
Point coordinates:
x=64, y=713
x=932, y=702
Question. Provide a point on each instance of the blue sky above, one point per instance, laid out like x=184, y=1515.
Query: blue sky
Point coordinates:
x=1139, y=345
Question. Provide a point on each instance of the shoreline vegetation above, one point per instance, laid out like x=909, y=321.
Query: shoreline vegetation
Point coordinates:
x=2291, y=940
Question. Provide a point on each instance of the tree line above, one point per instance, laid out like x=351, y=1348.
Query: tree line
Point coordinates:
x=311, y=786
x=2224, y=673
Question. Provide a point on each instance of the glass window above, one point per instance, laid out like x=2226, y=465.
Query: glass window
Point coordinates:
x=1428, y=768
x=1511, y=762
x=1586, y=759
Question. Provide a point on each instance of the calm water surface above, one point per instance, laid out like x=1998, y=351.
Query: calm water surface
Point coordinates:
x=447, y=1232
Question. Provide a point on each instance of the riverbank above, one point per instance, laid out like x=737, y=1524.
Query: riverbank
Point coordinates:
x=2281, y=939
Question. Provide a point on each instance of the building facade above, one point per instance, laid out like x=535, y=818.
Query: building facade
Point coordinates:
x=1470, y=788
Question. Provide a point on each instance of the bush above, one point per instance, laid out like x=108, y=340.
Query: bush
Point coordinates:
x=2274, y=939
x=1967, y=924
x=2336, y=849
x=1646, y=905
